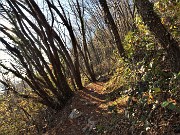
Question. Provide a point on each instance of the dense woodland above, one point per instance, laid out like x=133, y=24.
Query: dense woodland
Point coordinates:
x=55, y=48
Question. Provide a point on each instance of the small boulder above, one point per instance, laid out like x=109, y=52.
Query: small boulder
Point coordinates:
x=75, y=114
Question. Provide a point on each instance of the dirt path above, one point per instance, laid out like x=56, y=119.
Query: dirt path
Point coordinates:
x=94, y=107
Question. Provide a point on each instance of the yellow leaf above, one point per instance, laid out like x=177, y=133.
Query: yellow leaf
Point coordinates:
x=156, y=90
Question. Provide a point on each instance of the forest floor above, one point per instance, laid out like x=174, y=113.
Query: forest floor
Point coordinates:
x=98, y=114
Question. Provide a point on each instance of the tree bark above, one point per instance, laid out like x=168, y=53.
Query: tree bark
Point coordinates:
x=76, y=73
x=109, y=20
x=86, y=55
x=50, y=85
x=153, y=21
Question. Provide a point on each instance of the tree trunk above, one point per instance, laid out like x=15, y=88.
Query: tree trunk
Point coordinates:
x=109, y=20
x=153, y=21
x=50, y=85
x=76, y=71
x=86, y=54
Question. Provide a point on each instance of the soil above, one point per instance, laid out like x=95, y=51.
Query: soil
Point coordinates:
x=93, y=104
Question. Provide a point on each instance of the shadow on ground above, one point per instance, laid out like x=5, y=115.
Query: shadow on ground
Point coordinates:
x=93, y=104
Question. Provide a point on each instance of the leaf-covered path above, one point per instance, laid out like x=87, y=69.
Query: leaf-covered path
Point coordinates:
x=95, y=109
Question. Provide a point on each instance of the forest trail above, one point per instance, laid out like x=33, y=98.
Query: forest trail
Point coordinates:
x=96, y=109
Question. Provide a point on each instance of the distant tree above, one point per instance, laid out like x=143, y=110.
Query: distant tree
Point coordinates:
x=123, y=15
x=80, y=15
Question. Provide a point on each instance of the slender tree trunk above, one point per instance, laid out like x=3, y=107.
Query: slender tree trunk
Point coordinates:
x=76, y=71
x=153, y=21
x=49, y=85
x=109, y=20
x=86, y=51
